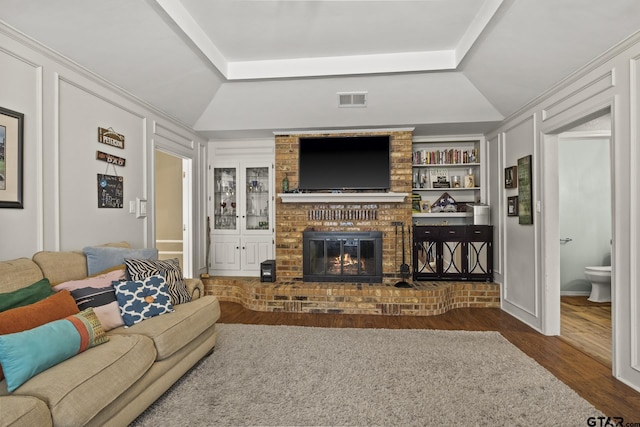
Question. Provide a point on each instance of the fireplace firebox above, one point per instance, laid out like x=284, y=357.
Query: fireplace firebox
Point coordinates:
x=336, y=256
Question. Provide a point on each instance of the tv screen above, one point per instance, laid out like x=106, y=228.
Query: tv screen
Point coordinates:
x=344, y=163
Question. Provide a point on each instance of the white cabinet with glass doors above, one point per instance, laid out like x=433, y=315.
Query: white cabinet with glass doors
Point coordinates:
x=241, y=217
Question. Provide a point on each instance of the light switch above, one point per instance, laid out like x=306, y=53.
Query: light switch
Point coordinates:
x=132, y=206
x=141, y=207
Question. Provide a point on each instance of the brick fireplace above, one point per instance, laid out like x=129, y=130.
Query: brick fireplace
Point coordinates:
x=292, y=219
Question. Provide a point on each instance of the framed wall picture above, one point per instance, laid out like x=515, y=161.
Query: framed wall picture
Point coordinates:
x=525, y=191
x=511, y=177
x=512, y=206
x=11, y=160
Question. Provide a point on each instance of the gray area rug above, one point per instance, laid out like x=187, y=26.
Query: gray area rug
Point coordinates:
x=302, y=376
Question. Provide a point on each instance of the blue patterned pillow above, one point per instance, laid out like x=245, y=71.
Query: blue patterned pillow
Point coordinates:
x=142, y=299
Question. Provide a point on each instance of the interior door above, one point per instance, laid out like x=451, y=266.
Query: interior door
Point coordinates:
x=173, y=208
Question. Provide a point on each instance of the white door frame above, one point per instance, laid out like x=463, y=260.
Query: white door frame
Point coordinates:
x=187, y=210
x=187, y=216
x=551, y=220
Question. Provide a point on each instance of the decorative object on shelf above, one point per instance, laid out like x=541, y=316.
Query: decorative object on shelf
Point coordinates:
x=511, y=177
x=525, y=194
x=415, y=202
x=110, y=137
x=438, y=175
x=445, y=203
x=512, y=206
x=425, y=206
x=455, y=181
x=11, y=150
x=441, y=183
x=285, y=184
x=469, y=179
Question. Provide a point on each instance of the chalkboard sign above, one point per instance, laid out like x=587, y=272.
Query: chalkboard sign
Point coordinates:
x=110, y=191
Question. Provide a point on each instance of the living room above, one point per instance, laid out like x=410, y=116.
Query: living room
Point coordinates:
x=65, y=100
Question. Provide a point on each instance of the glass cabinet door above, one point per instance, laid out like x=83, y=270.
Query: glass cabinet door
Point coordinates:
x=224, y=198
x=257, y=198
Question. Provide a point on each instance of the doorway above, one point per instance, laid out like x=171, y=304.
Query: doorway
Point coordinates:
x=585, y=221
x=173, y=208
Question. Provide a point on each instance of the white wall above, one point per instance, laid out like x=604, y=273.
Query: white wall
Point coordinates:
x=63, y=106
x=530, y=254
x=584, y=207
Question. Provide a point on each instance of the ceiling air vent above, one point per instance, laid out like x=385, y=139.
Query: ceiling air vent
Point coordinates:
x=352, y=99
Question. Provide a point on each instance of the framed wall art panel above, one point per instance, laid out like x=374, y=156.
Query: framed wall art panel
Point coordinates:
x=11, y=158
x=525, y=193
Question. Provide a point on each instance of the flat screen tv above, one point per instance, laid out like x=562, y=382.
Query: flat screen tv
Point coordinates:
x=344, y=163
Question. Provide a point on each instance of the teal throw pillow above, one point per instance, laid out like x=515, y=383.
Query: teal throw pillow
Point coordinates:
x=24, y=355
x=100, y=258
x=25, y=296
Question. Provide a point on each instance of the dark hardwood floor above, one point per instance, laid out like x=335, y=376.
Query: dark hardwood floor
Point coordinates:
x=588, y=376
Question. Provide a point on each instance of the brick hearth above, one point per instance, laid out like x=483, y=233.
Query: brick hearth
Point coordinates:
x=426, y=299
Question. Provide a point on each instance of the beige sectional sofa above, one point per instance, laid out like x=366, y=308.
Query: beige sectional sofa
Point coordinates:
x=110, y=384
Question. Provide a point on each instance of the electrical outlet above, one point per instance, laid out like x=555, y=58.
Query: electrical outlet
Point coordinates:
x=397, y=223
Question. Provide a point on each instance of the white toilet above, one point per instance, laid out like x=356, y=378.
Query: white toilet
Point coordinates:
x=600, y=278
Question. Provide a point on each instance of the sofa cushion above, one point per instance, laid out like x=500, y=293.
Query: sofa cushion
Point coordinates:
x=61, y=266
x=28, y=295
x=18, y=273
x=57, y=306
x=24, y=411
x=101, y=258
x=98, y=293
x=173, y=331
x=27, y=353
x=103, y=373
x=138, y=269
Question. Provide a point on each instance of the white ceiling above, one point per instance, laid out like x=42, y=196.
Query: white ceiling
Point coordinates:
x=246, y=68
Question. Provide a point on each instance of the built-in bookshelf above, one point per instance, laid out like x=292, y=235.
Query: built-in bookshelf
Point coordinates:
x=444, y=170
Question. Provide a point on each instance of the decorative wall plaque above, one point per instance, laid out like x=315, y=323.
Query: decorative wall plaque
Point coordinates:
x=114, y=160
x=110, y=137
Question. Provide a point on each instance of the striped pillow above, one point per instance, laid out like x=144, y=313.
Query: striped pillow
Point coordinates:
x=140, y=269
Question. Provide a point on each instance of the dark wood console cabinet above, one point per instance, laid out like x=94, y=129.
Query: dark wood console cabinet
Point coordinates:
x=456, y=252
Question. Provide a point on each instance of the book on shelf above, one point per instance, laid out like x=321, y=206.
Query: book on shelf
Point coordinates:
x=451, y=156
